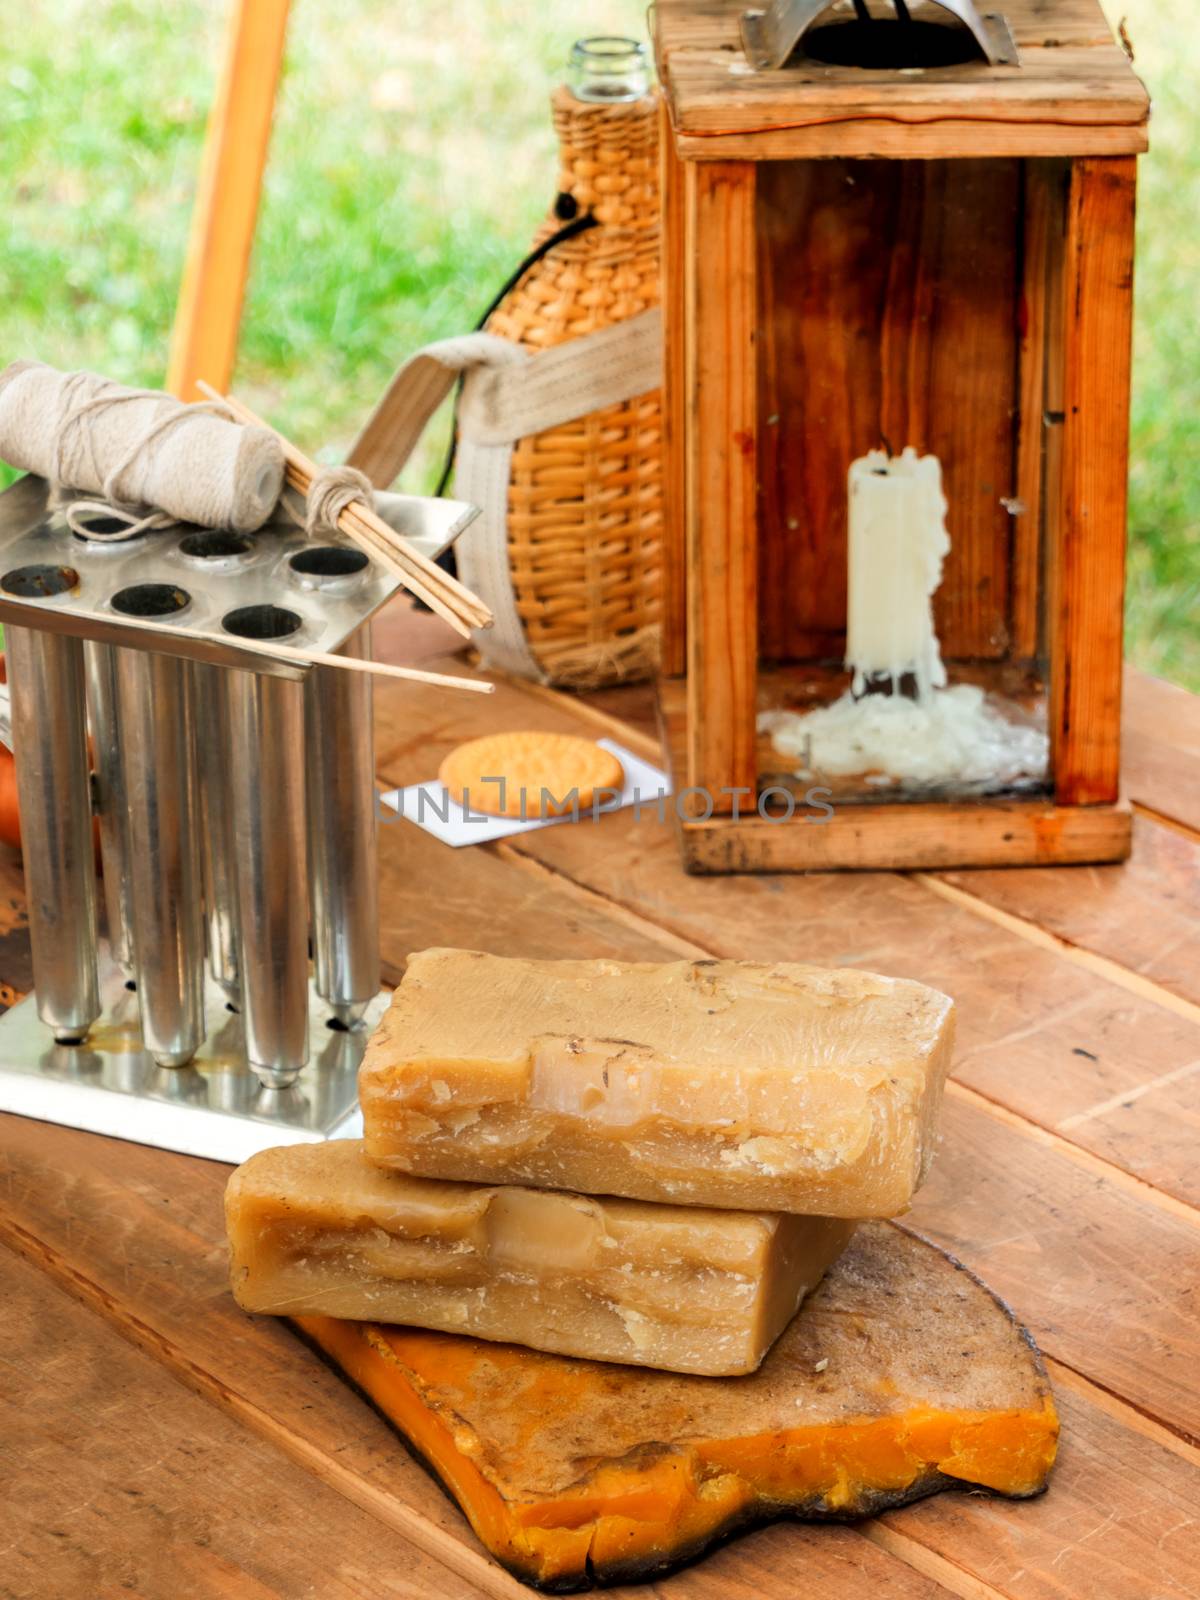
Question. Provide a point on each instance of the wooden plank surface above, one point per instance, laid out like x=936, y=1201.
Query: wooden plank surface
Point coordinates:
x=1143, y=916
x=138, y=1235
x=1089, y=1224
x=101, y=1436
x=67, y=1191
x=1161, y=748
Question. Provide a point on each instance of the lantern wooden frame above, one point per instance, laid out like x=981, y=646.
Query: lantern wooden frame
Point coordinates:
x=1057, y=136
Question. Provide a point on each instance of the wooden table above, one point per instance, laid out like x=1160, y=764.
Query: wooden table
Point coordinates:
x=170, y=1448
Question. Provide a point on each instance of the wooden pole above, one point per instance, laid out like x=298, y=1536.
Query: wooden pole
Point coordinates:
x=204, y=341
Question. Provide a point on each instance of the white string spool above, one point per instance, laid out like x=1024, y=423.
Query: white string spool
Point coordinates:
x=143, y=452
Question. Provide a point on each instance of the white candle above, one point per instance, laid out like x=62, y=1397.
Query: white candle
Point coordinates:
x=897, y=544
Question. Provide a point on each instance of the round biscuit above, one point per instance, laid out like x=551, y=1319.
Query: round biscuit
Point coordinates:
x=552, y=772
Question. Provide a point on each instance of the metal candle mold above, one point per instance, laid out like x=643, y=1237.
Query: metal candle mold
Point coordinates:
x=234, y=797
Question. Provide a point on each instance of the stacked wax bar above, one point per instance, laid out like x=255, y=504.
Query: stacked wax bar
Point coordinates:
x=720, y=1126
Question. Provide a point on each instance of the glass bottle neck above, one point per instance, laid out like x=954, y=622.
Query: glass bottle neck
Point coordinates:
x=608, y=70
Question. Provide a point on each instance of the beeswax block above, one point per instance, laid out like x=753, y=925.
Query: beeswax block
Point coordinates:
x=317, y=1229
x=716, y=1083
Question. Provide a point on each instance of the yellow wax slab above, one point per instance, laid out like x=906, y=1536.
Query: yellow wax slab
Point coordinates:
x=317, y=1230
x=717, y=1083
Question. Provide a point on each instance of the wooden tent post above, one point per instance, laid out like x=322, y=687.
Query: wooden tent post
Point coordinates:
x=204, y=340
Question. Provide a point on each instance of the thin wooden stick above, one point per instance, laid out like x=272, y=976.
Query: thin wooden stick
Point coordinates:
x=382, y=669
x=320, y=658
x=389, y=553
x=372, y=545
x=367, y=519
x=458, y=606
x=442, y=593
x=478, y=614
x=299, y=474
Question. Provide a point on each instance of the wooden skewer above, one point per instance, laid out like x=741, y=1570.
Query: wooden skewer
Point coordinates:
x=358, y=517
x=300, y=479
x=371, y=544
x=319, y=658
x=465, y=604
x=299, y=474
x=438, y=578
x=442, y=593
x=477, y=615
x=382, y=669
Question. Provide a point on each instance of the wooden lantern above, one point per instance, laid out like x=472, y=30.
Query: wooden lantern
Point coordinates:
x=860, y=258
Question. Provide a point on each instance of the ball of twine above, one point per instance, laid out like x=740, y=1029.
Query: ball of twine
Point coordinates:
x=151, y=459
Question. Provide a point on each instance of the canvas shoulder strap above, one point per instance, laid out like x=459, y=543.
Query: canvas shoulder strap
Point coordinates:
x=508, y=394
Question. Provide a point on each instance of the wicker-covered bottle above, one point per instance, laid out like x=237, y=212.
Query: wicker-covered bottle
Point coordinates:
x=585, y=498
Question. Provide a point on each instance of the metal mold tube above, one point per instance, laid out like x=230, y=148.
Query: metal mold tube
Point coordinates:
x=265, y=766
x=100, y=672
x=216, y=832
x=343, y=882
x=154, y=711
x=54, y=789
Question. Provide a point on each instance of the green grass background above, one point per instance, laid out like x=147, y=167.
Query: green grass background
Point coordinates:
x=410, y=160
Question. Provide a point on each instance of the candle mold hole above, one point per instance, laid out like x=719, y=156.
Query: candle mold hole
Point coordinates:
x=39, y=582
x=887, y=44
x=261, y=622
x=95, y=524
x=151, y=600
x=329, y=561
x=215, y=544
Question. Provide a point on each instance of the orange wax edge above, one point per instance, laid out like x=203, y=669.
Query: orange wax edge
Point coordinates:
x=671, y=1504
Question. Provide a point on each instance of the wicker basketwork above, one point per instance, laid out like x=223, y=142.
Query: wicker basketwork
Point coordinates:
x=585, y=498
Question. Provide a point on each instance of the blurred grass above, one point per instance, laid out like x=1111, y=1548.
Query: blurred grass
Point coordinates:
x=1163, y=607
x=411, y=158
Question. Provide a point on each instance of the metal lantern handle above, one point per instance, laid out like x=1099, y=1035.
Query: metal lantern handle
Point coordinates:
x=769, y=36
